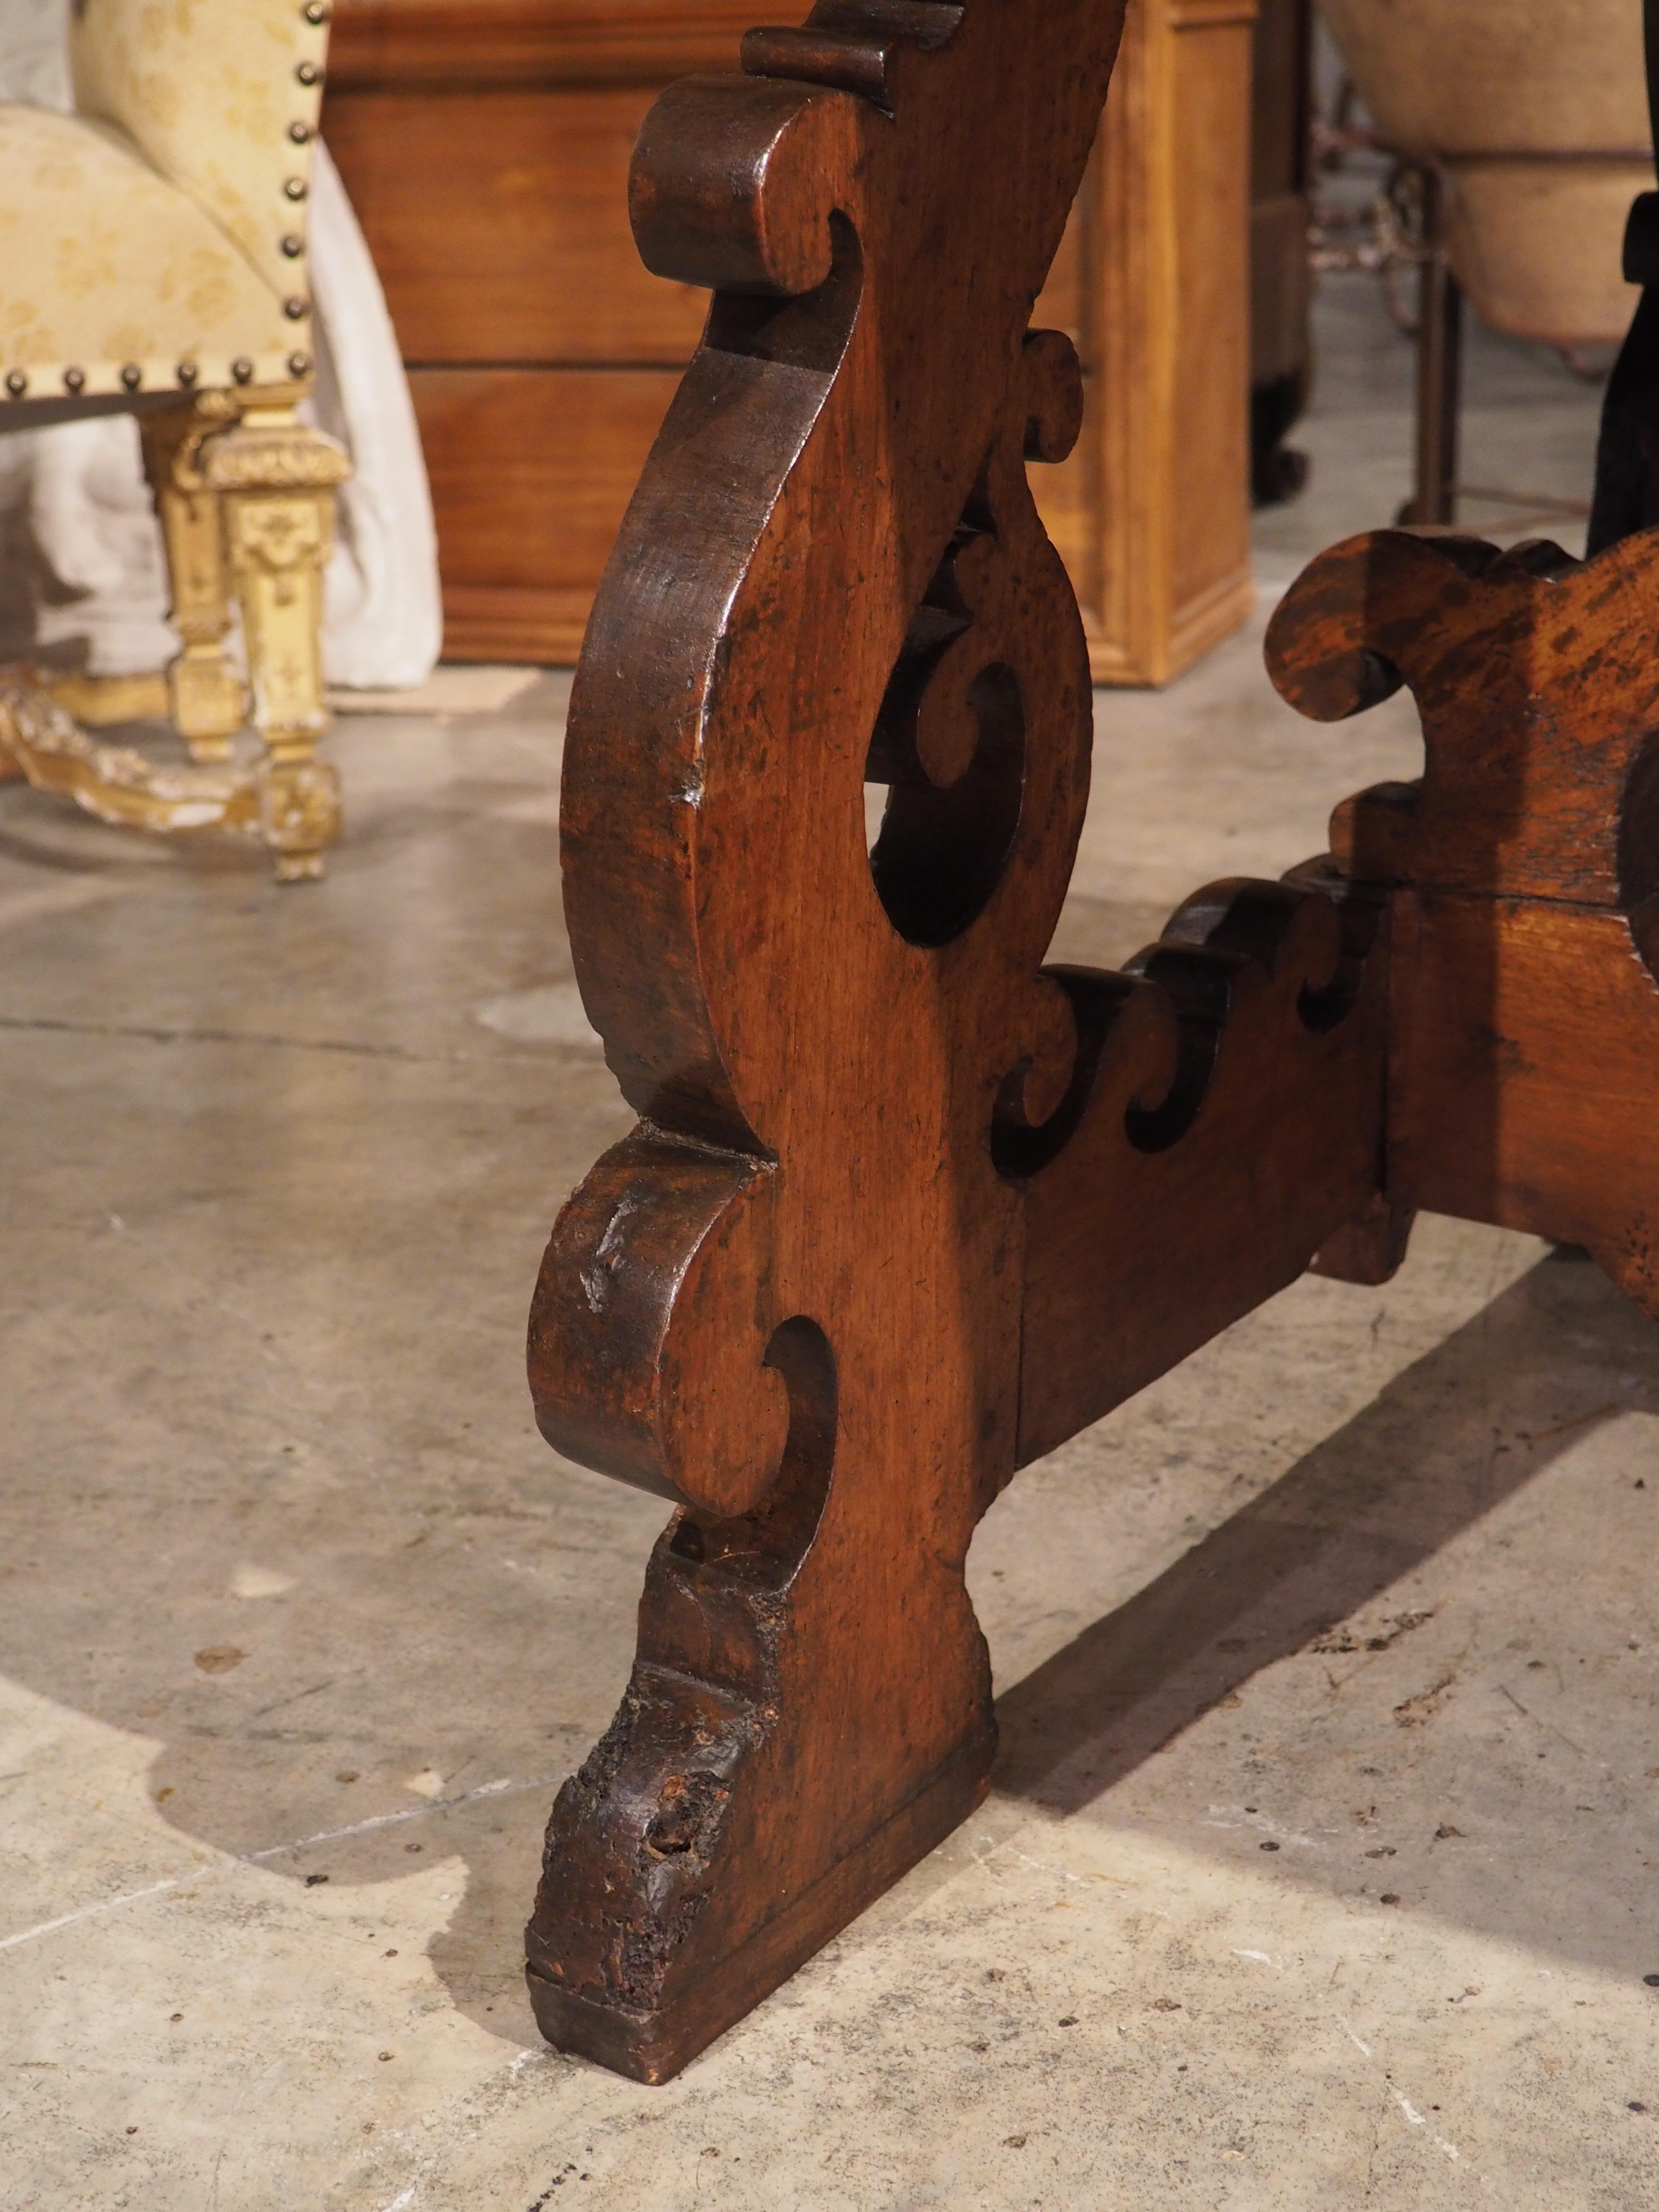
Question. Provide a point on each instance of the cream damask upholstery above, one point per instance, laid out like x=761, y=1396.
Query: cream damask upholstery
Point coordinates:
x=221, y=98
x=112, y=277
x=153, y=259
x=162, y=224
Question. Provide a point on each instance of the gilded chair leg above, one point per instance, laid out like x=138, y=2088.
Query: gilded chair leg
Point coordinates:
x=277, y=477
x=205, y=694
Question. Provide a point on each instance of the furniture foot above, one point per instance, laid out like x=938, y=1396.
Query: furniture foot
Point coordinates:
x=277, y=478
x=205, y=696
x=809, y=1712
x=40, y=741
x=693, y=2009
x=245, y=496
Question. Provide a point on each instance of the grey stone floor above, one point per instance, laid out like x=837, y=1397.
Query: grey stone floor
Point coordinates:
x=1316, y=1874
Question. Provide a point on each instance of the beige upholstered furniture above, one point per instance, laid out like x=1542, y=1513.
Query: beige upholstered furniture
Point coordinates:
x=1535, y=113
x=152, y=259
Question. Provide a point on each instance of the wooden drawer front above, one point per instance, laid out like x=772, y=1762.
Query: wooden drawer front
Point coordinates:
x=498, y=222
x=449, y=42
x=531, y=469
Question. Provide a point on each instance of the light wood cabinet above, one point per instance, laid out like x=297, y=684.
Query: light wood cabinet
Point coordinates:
x=485, y=146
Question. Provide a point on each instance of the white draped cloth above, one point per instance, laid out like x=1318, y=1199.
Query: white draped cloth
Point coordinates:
x=81, y=557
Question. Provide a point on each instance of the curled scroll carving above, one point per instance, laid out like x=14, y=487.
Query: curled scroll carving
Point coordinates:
x=877, y=1142
x=904, y=1209
x=1521, y=870
x=832, y=571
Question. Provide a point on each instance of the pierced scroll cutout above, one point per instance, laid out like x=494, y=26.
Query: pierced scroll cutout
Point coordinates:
x=950, y=743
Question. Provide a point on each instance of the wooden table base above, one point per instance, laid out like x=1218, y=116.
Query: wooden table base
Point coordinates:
x=904, y=1208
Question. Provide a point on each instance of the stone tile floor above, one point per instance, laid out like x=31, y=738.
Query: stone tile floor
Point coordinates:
x=1321, y=1867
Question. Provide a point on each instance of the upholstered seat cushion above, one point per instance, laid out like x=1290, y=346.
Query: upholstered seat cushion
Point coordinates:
x=106, y=266
x=220, y=96
x=1537, y=245
x=1536, y=111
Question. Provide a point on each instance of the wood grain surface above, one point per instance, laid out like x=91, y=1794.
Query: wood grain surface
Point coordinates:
x=375, y=42
x=485, y=145
x=873, y=1134
x=1522, y=871
x=904, y=1209
x=499, y=223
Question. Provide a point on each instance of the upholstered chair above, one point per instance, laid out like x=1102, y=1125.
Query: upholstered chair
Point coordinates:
x=153, y=260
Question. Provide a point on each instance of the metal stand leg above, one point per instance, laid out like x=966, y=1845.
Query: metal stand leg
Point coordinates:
x=1439, y=373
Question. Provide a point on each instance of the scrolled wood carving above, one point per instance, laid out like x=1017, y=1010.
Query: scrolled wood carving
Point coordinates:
x=1520, y=870
x=791, y=1299
x=904, y=1209
x=897, y=1211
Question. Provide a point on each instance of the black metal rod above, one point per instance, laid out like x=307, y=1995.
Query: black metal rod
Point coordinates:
x=1439, y=371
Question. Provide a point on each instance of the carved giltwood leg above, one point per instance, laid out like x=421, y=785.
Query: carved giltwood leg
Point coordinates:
x=277, y=478
x=204, y=692
x=245, y=504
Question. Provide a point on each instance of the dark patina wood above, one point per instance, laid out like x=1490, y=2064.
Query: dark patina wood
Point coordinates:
x=1522, y=872
x=904, y=1209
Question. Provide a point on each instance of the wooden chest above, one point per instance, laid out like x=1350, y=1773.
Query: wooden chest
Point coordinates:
x=485, y=145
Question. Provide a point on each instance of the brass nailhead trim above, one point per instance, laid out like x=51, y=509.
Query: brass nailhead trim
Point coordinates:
x=307, y=73
x=294, y=188
x=132, y=376
x=294, y=246
x=296, y=310
x=300, y=133
x=75, y=380
x=242, y=370
x=299, y=364
x=314, y=11
x=16, y=383
x=186, y=373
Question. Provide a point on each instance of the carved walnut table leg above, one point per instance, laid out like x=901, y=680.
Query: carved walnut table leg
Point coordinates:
x=904, y=1210
x=900, y=1210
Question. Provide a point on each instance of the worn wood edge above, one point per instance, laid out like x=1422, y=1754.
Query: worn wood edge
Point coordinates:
x=652, y=2047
